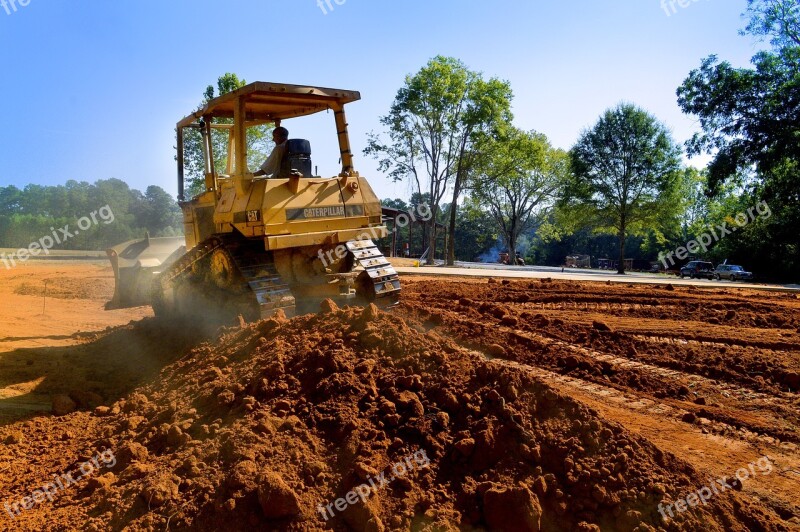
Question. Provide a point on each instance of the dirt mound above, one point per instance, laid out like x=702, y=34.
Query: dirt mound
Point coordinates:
x=554, y=325
x=356, y=419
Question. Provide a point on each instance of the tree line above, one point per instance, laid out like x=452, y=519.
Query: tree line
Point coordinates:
x=622, y=190
x=28, y=214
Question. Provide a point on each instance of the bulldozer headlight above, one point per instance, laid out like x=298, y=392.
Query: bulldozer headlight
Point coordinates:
x=253, y=216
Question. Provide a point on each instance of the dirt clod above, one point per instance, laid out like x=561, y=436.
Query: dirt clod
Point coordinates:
x=62, y=405
x=600, y=326
x=159, y=490
x=276, y=498
x=328, y=306
x=496, y=350
x=14, y=438
x=510, y=509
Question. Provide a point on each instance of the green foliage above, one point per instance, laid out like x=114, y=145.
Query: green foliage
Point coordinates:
x=626, y=175
x=34, y=212
x=476, y=233
x=750, y=120
x=259, y=140
x=748, y=116
x=488, y=114
x=769, y=245
x=552, y=251
x=777, y=19
x=436, y=120
x=420, y=123
x=697, y=204
x=518, y=179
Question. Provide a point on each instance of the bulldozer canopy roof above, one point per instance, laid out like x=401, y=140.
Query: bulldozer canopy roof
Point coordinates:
x=266, y=101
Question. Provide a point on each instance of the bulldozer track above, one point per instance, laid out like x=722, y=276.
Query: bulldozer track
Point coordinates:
x=385, y=281
x=271, y=292
x=256, y=270
x=256, y=282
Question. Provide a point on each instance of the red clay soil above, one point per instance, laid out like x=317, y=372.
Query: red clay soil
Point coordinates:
x=259, y=428
x=708, y=374
x=609, y=333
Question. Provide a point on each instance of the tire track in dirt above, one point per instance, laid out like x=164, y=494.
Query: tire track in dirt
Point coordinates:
x=717, y=400
x=737, y=402
x=646, y=417
x=747, y=366
x=716, y=394
x=737, y=393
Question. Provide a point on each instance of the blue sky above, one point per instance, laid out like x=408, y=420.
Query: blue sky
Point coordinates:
x=92, y=89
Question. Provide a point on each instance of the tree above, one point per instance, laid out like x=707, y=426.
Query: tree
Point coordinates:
x=259, y=143
x=400, y=233
x=30, y=214
x=625, y=174
x=518, y=179
x=487, y=109
x=406, y=229
x=432, y=126
x=476, y=231
x=748, y=116
x=750, y=121
x=10, y=197
x=778, y=19
x=697, y=203
x=157, y=210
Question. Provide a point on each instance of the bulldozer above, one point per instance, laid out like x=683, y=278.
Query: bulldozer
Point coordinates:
x=254, y=246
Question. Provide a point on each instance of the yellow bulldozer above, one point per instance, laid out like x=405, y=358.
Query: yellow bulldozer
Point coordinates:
x=254, y=245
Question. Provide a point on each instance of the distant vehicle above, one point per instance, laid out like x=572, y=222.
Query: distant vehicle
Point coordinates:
x=504, y=259
x=732, y=272
x=578, y=261
x=698, y=269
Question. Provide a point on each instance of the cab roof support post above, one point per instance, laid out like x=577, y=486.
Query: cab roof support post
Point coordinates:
x=344, y=139
x=211, y=175
x=180, y=163
x=240, y=138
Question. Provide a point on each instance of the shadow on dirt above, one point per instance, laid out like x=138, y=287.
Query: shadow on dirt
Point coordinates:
x=108, y=363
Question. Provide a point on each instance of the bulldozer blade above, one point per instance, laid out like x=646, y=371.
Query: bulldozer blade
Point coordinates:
x=136, y=264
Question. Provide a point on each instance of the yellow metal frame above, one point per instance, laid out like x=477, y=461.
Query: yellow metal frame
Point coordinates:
x=287, y=213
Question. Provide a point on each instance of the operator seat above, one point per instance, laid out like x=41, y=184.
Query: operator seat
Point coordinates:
x=297, y=157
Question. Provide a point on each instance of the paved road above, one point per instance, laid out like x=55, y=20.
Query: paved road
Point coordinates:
x=474, y=269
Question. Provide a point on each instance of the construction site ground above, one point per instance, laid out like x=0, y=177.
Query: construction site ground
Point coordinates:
x=571, y=404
